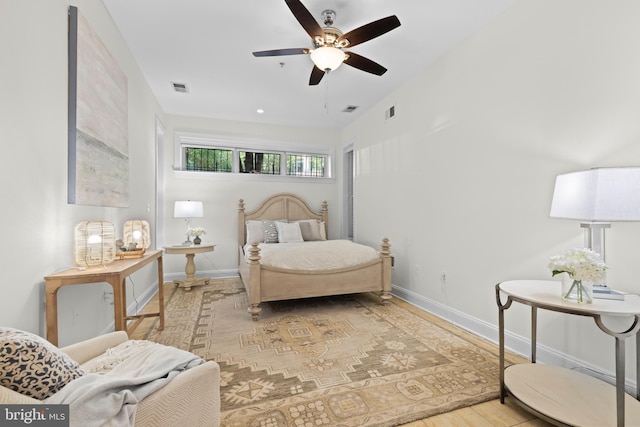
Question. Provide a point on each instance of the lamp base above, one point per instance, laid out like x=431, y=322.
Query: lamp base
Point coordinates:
x=188, y=241
x=594, y=236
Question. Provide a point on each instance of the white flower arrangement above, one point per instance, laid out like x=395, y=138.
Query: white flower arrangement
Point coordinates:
x=581, y=264
x=196, y=231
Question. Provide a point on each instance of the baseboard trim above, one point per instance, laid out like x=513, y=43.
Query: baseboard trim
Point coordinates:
x=513, y=342
x=214, y=274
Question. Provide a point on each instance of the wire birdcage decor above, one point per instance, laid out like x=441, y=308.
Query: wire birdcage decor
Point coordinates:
x=136, y=231
x=95, y=243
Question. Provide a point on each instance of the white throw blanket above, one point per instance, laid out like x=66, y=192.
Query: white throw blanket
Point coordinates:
x=315, y=255
x=109, y=394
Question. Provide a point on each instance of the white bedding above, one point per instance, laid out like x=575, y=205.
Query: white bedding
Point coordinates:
x=316, y=255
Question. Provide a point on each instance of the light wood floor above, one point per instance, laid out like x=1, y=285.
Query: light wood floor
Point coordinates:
x=487, y=414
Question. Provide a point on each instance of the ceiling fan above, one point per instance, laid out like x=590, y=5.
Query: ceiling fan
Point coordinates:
x=329, y=42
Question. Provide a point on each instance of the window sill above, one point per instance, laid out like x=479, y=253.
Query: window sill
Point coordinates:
x=252, y=177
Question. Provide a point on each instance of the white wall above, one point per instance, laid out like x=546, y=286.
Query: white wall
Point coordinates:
x=461, y=179
x=221, y=192
x=37, y=223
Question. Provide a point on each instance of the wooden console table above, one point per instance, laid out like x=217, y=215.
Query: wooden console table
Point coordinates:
x=562, y=396
x=114, y=274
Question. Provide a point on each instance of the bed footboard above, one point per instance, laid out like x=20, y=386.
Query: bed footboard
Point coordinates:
x=264, y=283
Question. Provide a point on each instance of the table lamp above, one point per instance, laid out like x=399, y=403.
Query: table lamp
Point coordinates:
x=94, y=243
x=597, y=197
x=136, y=231
x=188, y=209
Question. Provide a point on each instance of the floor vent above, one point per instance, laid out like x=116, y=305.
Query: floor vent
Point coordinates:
x=350, y=109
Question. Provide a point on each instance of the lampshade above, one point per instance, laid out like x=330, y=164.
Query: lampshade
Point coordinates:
x=601, y=194
x=188, y=209
x=94, y=243
x=327, y=58
x=136, y=231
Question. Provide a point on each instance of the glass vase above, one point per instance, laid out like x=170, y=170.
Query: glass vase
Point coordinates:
x=578, y=291
x=197, y=240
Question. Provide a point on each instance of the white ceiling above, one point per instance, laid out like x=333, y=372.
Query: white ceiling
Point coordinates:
x=208, y=45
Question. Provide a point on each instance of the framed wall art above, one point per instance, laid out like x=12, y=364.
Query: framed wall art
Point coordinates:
x=98, y=120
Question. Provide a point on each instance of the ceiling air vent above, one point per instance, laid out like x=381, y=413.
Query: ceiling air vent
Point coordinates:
x=350, y=109
x=180, y=87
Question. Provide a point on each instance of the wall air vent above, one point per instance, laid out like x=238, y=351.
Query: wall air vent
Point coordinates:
x=350, y=109
x=180, y=87
x=390, y=112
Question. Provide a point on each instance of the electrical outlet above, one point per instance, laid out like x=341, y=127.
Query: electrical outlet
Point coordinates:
x=107, y=297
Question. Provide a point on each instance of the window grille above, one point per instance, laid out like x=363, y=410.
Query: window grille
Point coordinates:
x=256, y=162
x=208, y=159
x=305, y=165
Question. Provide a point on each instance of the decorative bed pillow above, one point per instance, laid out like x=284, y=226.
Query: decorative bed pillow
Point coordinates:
x=32, y=366
x=323, y=230
x=310, y=229
x=270, y=231
x=289, y=232
x=254, y=232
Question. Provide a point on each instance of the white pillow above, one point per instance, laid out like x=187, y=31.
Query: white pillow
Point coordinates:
x=254, y=232
x=310, y=229
x=289, y=232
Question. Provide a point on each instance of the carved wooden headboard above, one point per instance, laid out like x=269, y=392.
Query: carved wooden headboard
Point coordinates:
x=280, y=206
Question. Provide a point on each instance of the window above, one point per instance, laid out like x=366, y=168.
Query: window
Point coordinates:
x=305, y=165
x=208, y=159
x=202, y=153
x=265, y=163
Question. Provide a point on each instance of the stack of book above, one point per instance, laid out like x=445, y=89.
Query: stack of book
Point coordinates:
x=604, y=292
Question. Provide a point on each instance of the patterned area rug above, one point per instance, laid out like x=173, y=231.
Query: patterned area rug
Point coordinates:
x=333, y=361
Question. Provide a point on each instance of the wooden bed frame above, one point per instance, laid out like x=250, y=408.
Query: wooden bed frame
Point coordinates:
x=265, y=283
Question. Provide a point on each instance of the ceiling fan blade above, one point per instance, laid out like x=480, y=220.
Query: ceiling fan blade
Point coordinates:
x=316, y=76
x=305, y=18
x=370, y=30
x=282, y=52
x=364, y=64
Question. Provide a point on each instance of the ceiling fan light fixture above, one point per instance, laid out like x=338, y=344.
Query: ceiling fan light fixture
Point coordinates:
x=329, y=42
x=327, y=58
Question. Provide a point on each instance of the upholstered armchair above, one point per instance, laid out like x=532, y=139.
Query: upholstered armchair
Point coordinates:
x=190, y=398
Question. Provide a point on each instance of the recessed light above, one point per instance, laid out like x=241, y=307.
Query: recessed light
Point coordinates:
x=259, y=111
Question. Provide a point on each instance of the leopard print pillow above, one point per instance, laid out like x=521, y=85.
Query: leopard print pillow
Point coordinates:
x=32, y=365
x=270, y=231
